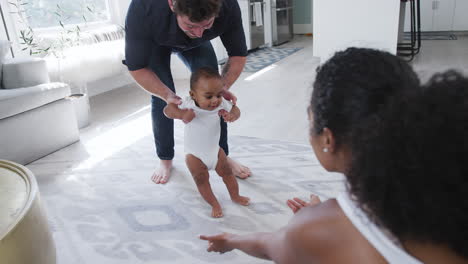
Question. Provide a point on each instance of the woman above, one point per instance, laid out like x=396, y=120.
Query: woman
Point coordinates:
x=408, y=179
x=349, y=88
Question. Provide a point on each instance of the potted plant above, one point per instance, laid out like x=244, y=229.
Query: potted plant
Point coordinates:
x=55, y=51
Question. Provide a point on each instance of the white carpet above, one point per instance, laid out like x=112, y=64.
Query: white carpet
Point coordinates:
x=108, y=211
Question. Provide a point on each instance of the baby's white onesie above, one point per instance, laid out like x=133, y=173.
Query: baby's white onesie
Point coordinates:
x=201, y=135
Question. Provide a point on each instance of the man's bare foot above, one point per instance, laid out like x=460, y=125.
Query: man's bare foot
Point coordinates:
x=162, y=174
x=216, y=211
x=242, y=200
x=238, y=169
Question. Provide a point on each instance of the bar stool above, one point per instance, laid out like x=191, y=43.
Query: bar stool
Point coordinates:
x=409, y=49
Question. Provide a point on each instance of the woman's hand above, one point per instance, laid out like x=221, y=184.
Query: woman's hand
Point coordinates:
x=218, y=243
x=296, y=204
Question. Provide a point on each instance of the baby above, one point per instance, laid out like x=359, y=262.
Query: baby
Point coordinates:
x=200, y=112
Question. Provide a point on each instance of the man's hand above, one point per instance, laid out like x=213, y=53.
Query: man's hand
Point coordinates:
x=188, y=115
x=228, y=116
x=173, y=99
x=229, y=96
x=218, y=243
x=296, y=204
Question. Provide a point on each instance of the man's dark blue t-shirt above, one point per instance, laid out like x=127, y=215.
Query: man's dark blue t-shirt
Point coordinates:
x=152, y=22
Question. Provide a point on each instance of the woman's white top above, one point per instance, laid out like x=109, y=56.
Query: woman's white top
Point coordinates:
x=383, y=242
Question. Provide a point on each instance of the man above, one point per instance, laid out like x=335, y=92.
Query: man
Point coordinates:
x=155, y=29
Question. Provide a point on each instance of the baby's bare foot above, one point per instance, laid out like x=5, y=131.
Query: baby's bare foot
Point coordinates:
x=216, y=211
x=242, y=200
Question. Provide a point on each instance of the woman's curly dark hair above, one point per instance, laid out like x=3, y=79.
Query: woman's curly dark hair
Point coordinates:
x=410, y=164
x=197, y=10
x=354, y=84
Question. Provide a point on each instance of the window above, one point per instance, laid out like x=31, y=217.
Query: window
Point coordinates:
x=53, y=13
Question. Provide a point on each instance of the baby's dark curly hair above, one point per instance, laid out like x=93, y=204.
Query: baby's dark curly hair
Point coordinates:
x=203, y=73
x=197, y=10
x=410, y=164
x=353, y=84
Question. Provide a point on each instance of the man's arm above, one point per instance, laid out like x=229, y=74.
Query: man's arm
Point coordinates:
x=149, y=81
x=234, y=42
x=138, y=50
x=232, y=70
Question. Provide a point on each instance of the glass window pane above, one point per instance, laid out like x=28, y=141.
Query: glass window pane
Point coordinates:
x=50, y=13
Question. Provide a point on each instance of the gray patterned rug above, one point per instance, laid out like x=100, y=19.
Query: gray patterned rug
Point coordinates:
x=111, y=213
x=264, y=57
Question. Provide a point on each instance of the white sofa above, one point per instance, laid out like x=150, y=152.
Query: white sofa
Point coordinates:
x=95, y=63
x=98, y=60
x=36, y=118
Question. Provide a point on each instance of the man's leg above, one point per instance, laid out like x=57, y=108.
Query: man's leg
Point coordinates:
x=204, y=56
x=163, y=127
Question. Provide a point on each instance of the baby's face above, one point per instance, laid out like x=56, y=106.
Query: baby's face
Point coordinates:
x=208, y=93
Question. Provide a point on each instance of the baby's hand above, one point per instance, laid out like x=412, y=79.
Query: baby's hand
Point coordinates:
x=188, y=116
x=228, y=117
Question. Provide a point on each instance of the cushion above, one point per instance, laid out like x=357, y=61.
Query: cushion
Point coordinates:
x=16, y=101
x=24, y=72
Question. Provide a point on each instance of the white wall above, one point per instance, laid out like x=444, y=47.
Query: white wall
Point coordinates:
x=460, y=20
x=119, y=10
x=339, y=24
x=436, y=15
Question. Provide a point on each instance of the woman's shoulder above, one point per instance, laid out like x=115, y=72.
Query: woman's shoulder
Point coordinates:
x=322, y=222
x=326, y=215
x=319, y=231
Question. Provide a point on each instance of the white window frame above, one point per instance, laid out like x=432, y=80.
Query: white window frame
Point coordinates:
x=14, y=26
x=84, y=25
